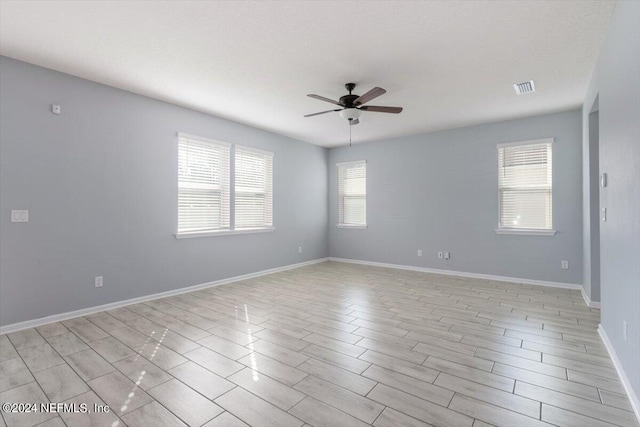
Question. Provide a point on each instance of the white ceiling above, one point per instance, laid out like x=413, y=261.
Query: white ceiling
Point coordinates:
x=448, y=63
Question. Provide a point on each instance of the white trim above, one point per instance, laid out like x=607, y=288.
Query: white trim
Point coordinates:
x=526, y=231
x=587, y=300
x=353, y=162
x=528, y=142
x=461, y=274
x=224, y=232
x=203, y=139
x=85, y=311
x=255, y=150
x=631, y=394
x=353, y=226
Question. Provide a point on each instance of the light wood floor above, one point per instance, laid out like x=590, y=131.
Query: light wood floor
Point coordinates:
x=331, y=344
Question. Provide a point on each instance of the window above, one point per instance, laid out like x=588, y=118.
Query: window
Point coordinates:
x=253, y=188
x=525, y=187
x=205, y=187
x=203, y=184
x=352, y=194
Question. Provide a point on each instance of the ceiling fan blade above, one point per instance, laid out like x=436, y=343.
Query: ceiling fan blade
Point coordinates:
x=373, y=93
x=378, y=109
x=354, y=122
x=322, y=98
x=322, y=112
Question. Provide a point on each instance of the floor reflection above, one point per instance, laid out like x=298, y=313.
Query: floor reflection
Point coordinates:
x=254, y=365
x=132, y=393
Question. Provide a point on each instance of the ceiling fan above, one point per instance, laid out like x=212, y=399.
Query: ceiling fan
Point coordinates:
x=353, y=105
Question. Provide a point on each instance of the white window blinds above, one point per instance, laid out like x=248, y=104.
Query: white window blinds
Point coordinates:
x=203, y=184
x=525, y=185
x=253, y=188
x=352, y=193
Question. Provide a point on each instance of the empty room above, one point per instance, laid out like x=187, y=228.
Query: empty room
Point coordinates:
x=320, y=213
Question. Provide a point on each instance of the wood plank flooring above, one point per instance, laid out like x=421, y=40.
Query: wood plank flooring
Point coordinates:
x=330, y=344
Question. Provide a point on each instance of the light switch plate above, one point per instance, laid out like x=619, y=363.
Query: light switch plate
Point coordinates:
x=604, y=214
x=56, y=109
x=603, y=180
x=20, y=216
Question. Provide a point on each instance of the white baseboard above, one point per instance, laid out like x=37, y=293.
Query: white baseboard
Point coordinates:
x=85, y=311
x=633, y=397
x=590, y=304
x=461, y=274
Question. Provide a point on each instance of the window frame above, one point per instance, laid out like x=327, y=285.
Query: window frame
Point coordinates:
x=231, y=167
x=341, y=223
x=521, y=230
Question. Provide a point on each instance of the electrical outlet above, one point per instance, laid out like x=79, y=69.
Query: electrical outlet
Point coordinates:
x=56, y=109
x=624, y=329
x=99, y=281
x=447, y=255
x=564, y=264
x=419, y=252
x=20, y=216
x=299, y=249
x=440, y=254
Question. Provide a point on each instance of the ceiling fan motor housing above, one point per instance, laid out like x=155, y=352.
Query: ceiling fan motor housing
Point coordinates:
x=348, y=100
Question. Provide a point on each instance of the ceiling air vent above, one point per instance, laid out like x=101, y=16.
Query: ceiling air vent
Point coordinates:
x=524, y=87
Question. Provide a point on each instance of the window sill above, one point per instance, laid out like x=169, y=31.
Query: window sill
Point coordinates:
x=526, y=231
x=223, y=232
x=355, y=227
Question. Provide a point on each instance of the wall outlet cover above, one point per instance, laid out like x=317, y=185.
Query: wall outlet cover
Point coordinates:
x=19, y=216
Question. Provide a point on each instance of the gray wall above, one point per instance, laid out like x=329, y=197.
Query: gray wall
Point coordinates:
x=615, y=83
x=100, y=183
x=438, y=192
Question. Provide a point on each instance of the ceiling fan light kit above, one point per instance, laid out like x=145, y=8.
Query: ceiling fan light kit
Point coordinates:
x=353, y=105
x=350, y=113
